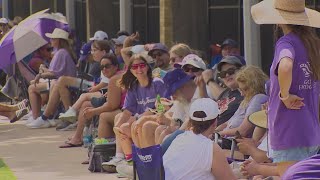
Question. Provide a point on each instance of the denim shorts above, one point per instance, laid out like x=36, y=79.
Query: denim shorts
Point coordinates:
x=294, y=154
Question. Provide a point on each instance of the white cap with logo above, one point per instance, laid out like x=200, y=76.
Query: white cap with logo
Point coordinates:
x=206, y=105
x=193, y=60
x=99, y=36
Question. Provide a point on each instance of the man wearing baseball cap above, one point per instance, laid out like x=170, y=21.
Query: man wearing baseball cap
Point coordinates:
x=160, y=53
x=229, y=47
x=118, y=45
x=194, y=149
x=229, y=96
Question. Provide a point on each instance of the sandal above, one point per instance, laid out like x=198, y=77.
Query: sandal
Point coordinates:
x=70, y=145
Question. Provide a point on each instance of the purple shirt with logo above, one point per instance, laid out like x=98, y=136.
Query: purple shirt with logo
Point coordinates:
x=293, y=128
x=139, y=99
x=305, y=169
x=62, y=64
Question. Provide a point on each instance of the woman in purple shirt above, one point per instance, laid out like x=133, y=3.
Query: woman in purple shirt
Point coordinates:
x=293, y=110
x=62, y=64
x=142, y=91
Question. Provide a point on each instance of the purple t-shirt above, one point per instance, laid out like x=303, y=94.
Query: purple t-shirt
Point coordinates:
x=139, y=99
x=305, y=169
x=293, y=128
x=62, y=64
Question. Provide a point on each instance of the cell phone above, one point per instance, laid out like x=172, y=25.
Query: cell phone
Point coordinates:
x=238, y=135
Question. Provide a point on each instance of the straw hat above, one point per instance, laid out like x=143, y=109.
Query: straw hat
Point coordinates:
x=259, y=119
x=285, y=12
x=58, y=33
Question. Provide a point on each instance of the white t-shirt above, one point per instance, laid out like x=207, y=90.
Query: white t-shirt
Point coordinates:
x=189, y=157
x=104, y=79
x=242, y=113
x=180, y=110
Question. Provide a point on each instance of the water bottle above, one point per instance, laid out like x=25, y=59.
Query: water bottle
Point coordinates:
x=87, y=137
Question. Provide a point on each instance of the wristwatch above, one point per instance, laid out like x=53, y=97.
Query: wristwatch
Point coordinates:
x=210, y=80
x=178, y=121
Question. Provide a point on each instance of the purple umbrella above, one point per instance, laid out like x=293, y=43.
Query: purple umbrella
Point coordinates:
x=27, y=37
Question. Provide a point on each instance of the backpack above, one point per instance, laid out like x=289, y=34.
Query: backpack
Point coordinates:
x=99, y=154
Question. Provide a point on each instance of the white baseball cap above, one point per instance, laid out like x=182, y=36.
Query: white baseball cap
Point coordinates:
x=4, y=21
x=139, y=49
x=206, y=105
x=193, y=60
x=99, y=35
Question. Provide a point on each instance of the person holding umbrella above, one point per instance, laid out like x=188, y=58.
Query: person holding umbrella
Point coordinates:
x=62, y=64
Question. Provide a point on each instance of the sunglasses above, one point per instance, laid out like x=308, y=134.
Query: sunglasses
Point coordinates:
x=49, y=49
x=107, y=66
x=192, y=69
x=223, y=74
x=136, y=66
x=154, y=55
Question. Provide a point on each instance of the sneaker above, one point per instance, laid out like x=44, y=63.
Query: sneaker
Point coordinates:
x=19, y=114
x=111, y=165
x=125, y=170
x=27, y=116
x=52, y=122
x=30, y=120
x=23, y=104
x=70, y=115
x=39, y=123
x=71, y=127
x=62, y=125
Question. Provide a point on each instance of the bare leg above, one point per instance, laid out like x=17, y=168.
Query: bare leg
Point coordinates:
x=158, y=133
x=77, y=137
x=164, y=133
x=6, y=108
x=63, y=83
x=35, y=98
x=117, y=134
x=148, y=134
x=54, y=99
x=135, y=131
x=106, y=122
x=8, y=114
x=85, y=97
x=126, y=142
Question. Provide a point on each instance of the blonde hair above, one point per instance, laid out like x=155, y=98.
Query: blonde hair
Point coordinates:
x=254, y=80
x=181, y=50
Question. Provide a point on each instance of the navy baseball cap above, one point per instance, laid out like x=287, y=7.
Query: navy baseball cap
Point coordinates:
x=85, y=51
x=229, y=42
x=174, y=80
x=158, y=46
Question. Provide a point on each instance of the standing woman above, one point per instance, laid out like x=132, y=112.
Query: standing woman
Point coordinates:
x=295, y=72
x=62, y=64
